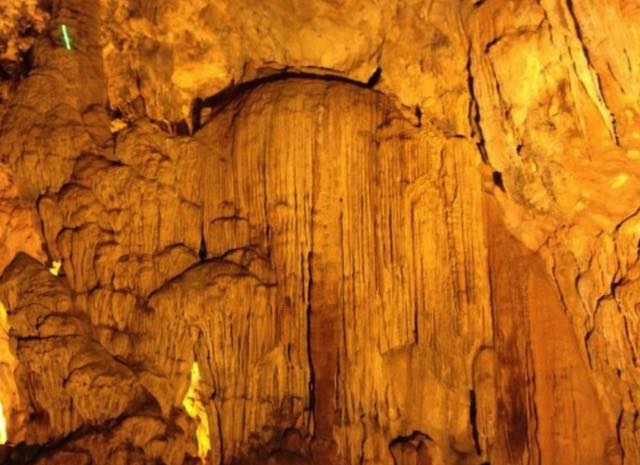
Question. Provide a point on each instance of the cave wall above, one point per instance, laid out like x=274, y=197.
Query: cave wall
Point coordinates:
x=320, y=232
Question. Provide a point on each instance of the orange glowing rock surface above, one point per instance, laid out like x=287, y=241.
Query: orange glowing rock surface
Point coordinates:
x=394, y=232
x=5, y=372
x=3, y=426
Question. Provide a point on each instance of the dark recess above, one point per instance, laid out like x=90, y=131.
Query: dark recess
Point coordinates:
x=181, y=128
x=196, y=113
x=202, y=253
x=114, y=113
x=497, y=180
x=473, y=414
x=417, y=443
x=375, y=77
x=46, y=5
x=17, y=70
x=416, y=436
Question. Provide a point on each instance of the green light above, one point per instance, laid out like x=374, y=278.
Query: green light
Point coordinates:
x=66, y=37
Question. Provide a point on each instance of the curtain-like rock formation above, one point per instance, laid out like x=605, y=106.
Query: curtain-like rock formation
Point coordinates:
x=320, y=232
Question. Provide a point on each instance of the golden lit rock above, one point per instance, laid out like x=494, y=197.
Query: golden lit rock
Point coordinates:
x=54, y=269
x=328, y=232
x=195, y=408
x=3, y=426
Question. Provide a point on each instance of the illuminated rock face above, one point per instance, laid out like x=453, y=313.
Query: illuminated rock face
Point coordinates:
x=407, y=234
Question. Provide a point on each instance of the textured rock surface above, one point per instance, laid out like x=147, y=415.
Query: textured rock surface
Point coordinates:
x=338, y=232
x=21, y=21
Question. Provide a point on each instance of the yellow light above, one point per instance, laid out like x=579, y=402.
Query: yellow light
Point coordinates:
x=55, y=267
x=620, y=180
x=3, y=426
x=195, y=409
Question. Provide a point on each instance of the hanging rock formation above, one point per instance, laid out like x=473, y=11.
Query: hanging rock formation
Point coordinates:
x=320, y=232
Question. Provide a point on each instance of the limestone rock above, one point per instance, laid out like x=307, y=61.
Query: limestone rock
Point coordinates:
x=320, y=232
x=20, y=22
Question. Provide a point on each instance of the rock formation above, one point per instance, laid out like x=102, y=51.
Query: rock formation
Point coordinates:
x=320, y=232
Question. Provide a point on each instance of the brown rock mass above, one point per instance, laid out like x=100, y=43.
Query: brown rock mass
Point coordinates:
x=320, y=232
